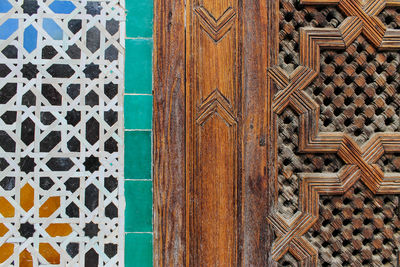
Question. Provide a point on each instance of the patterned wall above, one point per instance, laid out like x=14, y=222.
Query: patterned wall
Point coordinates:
x=61, y=132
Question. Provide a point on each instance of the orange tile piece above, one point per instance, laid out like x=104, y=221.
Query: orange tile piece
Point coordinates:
x=3, y=229
x=25, y=259
x=59, y=229
x=6, y=250
x=49, y=253
x=6, y=209
x=49, y=207
x=27, y=197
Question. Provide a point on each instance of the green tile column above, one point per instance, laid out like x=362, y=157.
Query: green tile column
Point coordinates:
x=138, y=101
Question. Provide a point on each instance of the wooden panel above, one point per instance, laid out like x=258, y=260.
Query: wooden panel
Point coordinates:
x=169, y=134
x=335, y=112
x=213, y=74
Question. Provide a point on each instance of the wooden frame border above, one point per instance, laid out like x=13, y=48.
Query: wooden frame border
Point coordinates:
x=256, y=144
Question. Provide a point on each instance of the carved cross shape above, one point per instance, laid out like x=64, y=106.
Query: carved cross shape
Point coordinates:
x=366, y=12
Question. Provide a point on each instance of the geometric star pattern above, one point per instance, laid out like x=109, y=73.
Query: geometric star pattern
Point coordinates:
x=359, y=160
x=61, y=133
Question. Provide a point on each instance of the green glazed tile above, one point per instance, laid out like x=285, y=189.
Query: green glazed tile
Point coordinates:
x=139, y=202
x=137, y=155
x=139, y=18
x=138, y=66
x=138, y=111
x=139, y=250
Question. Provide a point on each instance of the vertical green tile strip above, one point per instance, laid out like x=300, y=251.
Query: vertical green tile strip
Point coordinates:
x=138, y=109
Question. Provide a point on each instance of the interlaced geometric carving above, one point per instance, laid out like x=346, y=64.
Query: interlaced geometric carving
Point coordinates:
x=360, y=158
x=61, y=133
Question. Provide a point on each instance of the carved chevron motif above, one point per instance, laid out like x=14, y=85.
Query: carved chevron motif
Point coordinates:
x=360, y=161
x=216, y=28
x=216, y=103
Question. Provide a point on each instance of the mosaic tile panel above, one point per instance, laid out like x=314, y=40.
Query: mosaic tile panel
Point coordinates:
x=61, y=133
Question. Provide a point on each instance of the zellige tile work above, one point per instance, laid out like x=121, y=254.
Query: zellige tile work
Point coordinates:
x=61, y=133
x=138, y=134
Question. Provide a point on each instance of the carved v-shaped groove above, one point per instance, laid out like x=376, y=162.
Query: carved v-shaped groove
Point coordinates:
x=216, y=28
x=216, y=102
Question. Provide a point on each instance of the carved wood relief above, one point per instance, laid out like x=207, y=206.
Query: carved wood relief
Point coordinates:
x=212, y=106
x=336, y=108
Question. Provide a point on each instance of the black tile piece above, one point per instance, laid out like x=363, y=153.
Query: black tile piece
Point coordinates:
x=92, y=71
x=28, y=99
x=91, y=258
x=92, y=164
x=111, y=117
x=111, y=183
x=3, y=164
x=47, y=118
x=111, y=145
x=60, y=71
x=74, y=52
x=111, y=90
x=112, y=26
x=74, y=145
x=73, y=117
x=93, y=8
x=110, y=250
x=7, y=92
x=27, y=131
x=51, y=94
x=73, y=90
x=46, y=183
x=29, y=71
x=10, y=51
x=111, y=53
x=91, y=197
x=92, y=131
x=72, y=184
x=27, y=164
x=73, y=249
x=60, y=164
x=4, y=70
x=75, y=25
x=50, y=141
x=72, y=210
x=91, y=229
x=30, y=7
x=8, y=183
x=9, y=117
x=92, y=99
x=93, y=39
x=48, y=52
x=26, y=230
x=111, y=211
x=6, y=142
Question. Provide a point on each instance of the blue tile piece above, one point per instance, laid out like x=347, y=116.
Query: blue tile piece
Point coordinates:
x=8, y=28
x=5, y=6
x=52, y=28
x=30, y=38
x=62, y=7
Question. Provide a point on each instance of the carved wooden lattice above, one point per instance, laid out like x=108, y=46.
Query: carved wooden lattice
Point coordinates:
x=337, y=109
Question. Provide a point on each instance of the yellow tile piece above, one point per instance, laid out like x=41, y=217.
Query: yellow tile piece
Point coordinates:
x=27, y=197
x=49, y=253
x=6, y=209
x=25, y=259
x=3, y=229
x=49, y=207
x=6, y=250
x=59, y=229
